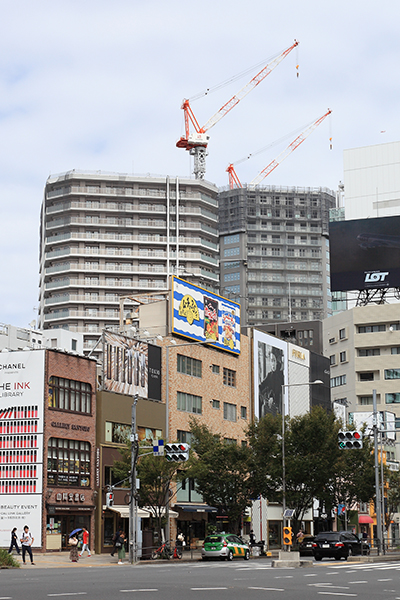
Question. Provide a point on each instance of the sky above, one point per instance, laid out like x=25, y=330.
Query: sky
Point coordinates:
x=98, y=85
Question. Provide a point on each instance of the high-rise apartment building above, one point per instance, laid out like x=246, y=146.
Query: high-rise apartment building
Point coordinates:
x=107, y=235
x=274, y=252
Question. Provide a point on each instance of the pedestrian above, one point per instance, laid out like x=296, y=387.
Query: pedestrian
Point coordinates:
x=85, y=546
x=114, y=541
x=73, y=542
x=120, y=545
x=14, y=539
x=26, y=544
x=252, y=537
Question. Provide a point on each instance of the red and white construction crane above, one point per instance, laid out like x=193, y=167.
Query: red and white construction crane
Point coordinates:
x=196, y=142
x=234, y=180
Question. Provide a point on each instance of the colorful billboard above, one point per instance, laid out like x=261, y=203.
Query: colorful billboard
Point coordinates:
x=21, y=443
x=270, y=373
x=365, y=254
x=131, y=366
x=202, y=316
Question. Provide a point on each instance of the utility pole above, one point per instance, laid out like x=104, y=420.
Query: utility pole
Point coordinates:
x=377, y=490
x=133, y=503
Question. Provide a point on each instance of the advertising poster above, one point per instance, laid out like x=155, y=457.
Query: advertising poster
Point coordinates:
x=21, y=443
x=202, y=316
x=270, y=373
x=131, y=366
x=365, y=253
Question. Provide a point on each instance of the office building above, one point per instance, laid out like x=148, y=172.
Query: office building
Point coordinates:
x=274, y=252
x=107, y=235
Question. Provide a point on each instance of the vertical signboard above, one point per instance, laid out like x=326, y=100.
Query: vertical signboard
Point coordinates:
x=270, y=373
x=205, y=317
x=21, y=443
x=131, y=366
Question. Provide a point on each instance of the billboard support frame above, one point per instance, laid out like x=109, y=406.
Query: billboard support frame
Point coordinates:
x=369, y=296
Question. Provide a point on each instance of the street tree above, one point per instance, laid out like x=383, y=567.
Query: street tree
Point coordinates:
x=392, y=480
x=222, y=472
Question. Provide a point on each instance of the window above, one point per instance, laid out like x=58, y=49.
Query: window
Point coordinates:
x=229, y=412
x=215, y=404
x=215, y=369
x=189, y=403
x=231, y=239
x=189, y=366
x=392, y=399
x=68, y=394
x=371, y=328
x=68, y=463
x=395, y=350
x=342, y=334
x=229, y=377
x=342, y=357
x=230, y=441
x=118, y=433
x=332, y=359
x=232, y=251
x=394, y=327
x=369, y=351
x=243, y=412
x=336, y=381
x=392, y=373
x=365, y=400
x=366, y=376
x=184, y=437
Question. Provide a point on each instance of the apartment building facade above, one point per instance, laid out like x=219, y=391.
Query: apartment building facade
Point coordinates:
x=107, y=235
x=274, y=252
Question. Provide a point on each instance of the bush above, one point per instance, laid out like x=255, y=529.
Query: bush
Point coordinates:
x=7, y=560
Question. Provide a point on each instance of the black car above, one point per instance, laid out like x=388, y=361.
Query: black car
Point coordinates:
x=337, y=545
x=305, y=545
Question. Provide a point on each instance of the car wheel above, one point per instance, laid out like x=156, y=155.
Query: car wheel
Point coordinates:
x=338, y=557
x=350, y=552
x=247, y=555
x=318, y=557
x=230, y=555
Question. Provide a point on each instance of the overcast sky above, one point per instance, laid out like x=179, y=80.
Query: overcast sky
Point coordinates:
x=98, y=85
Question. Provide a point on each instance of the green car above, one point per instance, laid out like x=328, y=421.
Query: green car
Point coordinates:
x=225, y=546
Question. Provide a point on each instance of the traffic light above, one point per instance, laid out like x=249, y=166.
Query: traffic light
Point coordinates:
x=109, y=499
x=177, y=452
x=287, y=536
x=350, y=440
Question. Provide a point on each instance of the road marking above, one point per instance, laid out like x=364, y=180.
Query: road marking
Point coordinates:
x=5, y=597
x=337, y=594
x=267, y=589
x=329, y=585
x=141, y=590
x=362, y=581
x=69, y=594
x=203, y=589
x=312, y=574
x=284, y=577
x=385, y=579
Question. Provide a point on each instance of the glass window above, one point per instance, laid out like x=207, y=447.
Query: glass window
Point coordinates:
x=68, y=463
x=395, y=350
x=188, y=365
x=366, y=376
x=229, y=412
x=371, y=328
x=365, y=400
x=243, y=412
x=392, y=398
x=215, y=369
x=392, y=373
x=369, y=351
x=184, y=437
x=332, y=359
x=343, y=357
x=229, y=377
x=342, y=334
x=216, y=404
x=68, y=394
x=189, y=403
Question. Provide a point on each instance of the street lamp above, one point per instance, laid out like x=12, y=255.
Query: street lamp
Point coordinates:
x=288, y=385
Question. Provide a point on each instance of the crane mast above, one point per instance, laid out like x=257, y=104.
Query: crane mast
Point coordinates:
x=196, y=143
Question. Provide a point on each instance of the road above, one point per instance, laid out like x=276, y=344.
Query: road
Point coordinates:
x=239, y=580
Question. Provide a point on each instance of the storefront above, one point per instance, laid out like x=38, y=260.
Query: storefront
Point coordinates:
x=67, y=511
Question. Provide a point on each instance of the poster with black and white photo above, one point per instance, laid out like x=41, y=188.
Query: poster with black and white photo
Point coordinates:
x=270, y=374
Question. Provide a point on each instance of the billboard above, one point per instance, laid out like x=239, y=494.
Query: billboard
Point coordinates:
x=270, y=373
x=21, y=443
x=131, y=366
x=365, y=254
x=202, y=316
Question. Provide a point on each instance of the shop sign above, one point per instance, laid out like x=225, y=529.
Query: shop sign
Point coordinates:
x=70, y=497
x=97, y=467
x=74, y=427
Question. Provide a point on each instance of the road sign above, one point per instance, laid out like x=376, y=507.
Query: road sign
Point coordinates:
x=158, y=447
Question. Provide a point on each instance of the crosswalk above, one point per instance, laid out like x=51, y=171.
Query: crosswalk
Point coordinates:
x=353, y=568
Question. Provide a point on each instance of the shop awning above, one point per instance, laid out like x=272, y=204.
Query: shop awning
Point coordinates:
x=365, y=519
x=197, y=508
x=142, y=513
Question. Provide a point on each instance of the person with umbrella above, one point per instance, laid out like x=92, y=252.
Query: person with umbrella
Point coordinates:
x=73, y=542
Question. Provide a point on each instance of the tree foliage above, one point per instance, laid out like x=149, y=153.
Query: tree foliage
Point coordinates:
x=222, y=472
x=393, y=495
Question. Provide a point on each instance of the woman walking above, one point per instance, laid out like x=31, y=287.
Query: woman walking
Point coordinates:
x=14, y=539
x=120, y=545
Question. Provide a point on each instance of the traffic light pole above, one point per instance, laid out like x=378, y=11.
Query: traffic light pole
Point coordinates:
x=133, y=503
x=377, y=489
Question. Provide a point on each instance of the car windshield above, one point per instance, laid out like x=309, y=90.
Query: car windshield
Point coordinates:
x=213, y=539
x=329, y=536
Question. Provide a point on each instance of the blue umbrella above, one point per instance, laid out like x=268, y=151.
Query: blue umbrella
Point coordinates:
x=75, y=531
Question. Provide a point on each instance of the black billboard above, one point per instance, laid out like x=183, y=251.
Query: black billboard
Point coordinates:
x=365, y=254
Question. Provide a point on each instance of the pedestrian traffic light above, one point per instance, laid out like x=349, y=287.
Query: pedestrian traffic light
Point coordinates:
x=350, y=440
x=177, y=452
x=109, y=499
x=287, y=536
